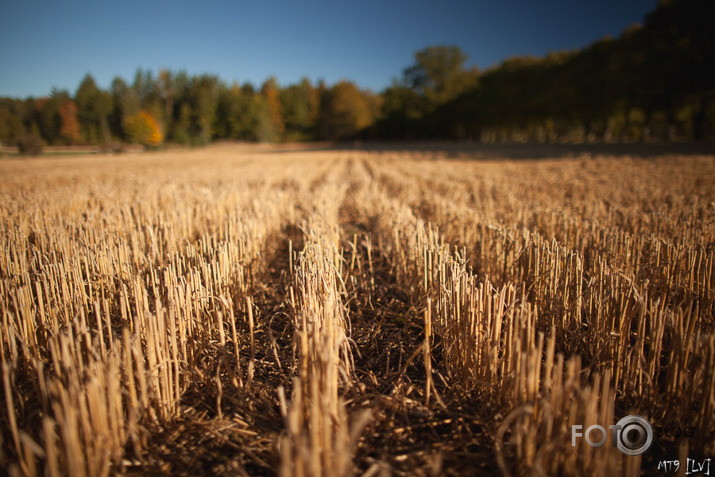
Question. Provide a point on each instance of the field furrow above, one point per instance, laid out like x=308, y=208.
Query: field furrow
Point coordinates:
x=409, y=434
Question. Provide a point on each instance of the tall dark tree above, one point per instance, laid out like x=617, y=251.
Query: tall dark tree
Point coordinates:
x=439, y=74
x=239, y=113
x=145, y=86
x=166, y=90
x=206, y=102
x=94, y=107
x=126, y=104
x=300, y=104
x=680, y=58
x=402, y=108
x=47, y=115
x=13, y=114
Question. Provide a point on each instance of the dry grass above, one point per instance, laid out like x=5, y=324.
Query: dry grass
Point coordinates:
x=243, y=311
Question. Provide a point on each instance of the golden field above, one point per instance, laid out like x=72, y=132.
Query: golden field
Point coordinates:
x=244, y=310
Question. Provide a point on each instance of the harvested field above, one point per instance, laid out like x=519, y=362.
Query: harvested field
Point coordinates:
x=269, y=311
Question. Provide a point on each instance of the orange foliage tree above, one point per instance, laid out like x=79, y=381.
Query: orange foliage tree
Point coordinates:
x=69, y=124
x=270, y=92
x=143, y=128
x=345, y=112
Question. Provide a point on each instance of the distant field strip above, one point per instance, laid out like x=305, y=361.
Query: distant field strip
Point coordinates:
x=249, y=311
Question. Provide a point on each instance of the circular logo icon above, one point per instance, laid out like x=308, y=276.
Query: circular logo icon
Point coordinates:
x=634, y=436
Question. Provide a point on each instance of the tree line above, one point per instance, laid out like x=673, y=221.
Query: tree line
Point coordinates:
x=188, y=109
x=655, y=81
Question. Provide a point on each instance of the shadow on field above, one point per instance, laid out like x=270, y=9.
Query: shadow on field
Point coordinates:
x=463, y=150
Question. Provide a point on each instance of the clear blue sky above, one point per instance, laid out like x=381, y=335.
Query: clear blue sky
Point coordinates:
x=46, y=44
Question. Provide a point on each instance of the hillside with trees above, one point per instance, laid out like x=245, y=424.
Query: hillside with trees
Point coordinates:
x=655, y=82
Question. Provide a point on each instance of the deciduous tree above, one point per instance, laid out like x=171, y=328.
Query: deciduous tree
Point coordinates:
x=300, y=104
x=439, y=74
x=143, y=128
x=270, y=92
x=70, y=130
x=346, y=111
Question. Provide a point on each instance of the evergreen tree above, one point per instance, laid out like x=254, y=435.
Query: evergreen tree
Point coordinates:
x=94, y=107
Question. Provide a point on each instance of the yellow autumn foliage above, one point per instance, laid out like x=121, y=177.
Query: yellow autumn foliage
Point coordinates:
x=143, y=128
